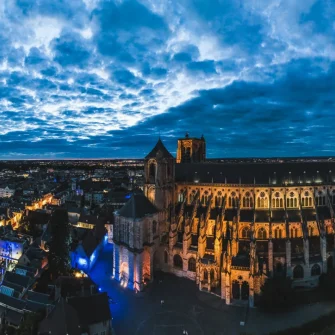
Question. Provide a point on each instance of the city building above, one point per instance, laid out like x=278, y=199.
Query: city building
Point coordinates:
x=229, y=226
x=79, y=315
x=79, y=309
x=6, y=192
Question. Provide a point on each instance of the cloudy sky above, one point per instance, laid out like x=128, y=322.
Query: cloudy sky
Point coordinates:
x=102, y=79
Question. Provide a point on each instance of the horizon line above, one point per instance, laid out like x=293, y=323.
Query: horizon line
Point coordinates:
x=138, y=159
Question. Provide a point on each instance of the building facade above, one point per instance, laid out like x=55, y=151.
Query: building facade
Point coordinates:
x=137, y=228
x=6, y=192
x=229, y=226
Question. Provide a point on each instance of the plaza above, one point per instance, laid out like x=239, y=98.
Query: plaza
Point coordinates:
x=173, y=305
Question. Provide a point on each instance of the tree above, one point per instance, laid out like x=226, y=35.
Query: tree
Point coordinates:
x=276, y=293
x=59, y=246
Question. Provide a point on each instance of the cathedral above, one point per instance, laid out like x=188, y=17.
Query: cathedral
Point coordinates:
x=227, y=226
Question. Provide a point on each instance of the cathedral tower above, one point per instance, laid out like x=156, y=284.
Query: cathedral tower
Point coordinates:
x=191, y=150
x=159, y=176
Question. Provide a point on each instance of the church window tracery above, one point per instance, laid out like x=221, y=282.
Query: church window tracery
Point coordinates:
x=306, y=200
x=246, y=232
x=320, y=199
x=192, y=264
x=261, y=234
x=262, y=201
x=247, y=201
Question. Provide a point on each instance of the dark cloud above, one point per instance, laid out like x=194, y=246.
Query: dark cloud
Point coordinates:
x=105, y=78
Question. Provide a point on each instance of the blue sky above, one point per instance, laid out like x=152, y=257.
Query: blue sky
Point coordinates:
x=102, y=79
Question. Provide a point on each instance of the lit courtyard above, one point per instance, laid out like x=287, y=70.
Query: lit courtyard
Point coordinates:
x=173, y=305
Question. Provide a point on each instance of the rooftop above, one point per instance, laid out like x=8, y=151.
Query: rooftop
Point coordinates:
x=137, y=207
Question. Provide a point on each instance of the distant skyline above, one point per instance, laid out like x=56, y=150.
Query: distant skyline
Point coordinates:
x=103, y=79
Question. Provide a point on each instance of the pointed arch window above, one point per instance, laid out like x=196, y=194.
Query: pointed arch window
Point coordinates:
x=192, y=265
x=262, y=200
x=218, y=199
x=205, y=275
x=212, y=275
x=320, y=199
x=298, y=272
x=294, y=232
x=291, y=201
x=181, y=196
x=152, y=172
x=247, y=200
x=245, y=232
x=261, y=234
x=277, y=201
x=278, y=233
x=177, y=261
x=316, y=270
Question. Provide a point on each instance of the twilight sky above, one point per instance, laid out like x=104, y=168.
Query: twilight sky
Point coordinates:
x=102, y=79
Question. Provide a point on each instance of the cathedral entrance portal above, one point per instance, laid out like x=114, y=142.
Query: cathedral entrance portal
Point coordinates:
x=124, y=274
x=236, y=290
x=240, y=290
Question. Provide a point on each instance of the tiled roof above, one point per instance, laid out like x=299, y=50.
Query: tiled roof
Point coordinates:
x=90, y=243
x=246, y=215
x=293, y=215
x=278, y=215
x=11, y=316
x=88, y=315
x=137, y=207
x=34, y=306
x=230, y=214
x=63, y=319
x=38, y=297
x=323, y=213
x=262, y=216
x=15, y=287
x=159, y=147
x=241, y=260
x=17, y=279
x=12, y=302
x=250, y=173
x=308, y=214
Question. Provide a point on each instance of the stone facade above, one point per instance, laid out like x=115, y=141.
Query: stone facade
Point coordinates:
x=136, y=238
x=230, y=236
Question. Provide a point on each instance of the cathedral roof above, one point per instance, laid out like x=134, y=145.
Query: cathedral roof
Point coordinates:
x=256, y=173
x=137, y=207
x=159, y=147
